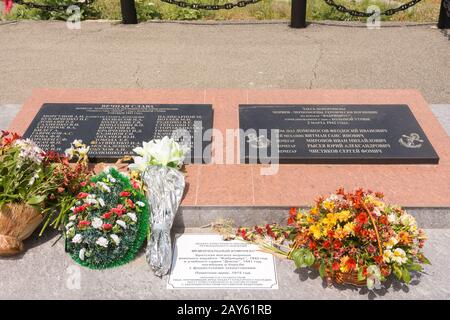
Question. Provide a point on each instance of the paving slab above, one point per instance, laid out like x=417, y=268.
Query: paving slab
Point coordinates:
x=442, y=112
x=7, y=114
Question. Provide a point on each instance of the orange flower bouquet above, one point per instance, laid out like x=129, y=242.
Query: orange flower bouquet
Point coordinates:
x=353, y=238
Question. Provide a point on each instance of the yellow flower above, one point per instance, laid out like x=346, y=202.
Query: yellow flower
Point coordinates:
x=330, y=220
x=134, y=174
x=343, y=216
x=329, y=205
x=316, y=231
x=309, y=220
x=299, y=216
x=344, y=268
x=387, y=255
x=391, y=242
x=314, y=210
x=340, y=233
x=349, y=228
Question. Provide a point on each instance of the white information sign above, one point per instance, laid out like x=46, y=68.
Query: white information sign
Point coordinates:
x=208, y=262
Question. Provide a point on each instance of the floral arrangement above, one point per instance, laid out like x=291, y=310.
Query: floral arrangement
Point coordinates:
x=71, y=169
x=26, y=175
x=158, y=163
x=163, y=152
x=108, y=222
x=351, y=237
x=33, y=183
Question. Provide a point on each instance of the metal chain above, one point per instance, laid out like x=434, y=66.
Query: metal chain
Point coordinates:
x=50, y=7
x=201, y=6
x=357, y=13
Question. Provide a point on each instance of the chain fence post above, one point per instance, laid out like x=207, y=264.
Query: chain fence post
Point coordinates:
x=129, y=15
x=444, y=15
x=298, y=14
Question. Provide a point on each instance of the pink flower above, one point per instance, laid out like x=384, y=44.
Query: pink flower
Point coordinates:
x=8, y=5
x=371, y=249
x=135, y=184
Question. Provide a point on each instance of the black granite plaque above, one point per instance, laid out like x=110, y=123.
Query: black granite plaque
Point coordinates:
x=360, y=134
x=113, y=130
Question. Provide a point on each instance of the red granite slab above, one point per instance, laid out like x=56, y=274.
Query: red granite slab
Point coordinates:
x=294, y=185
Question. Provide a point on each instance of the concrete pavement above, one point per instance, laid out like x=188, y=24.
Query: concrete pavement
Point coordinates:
x=198, y=55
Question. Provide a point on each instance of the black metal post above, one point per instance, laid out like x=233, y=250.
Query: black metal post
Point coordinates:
x=129, y=15
x=298, y=14
x=444, y=15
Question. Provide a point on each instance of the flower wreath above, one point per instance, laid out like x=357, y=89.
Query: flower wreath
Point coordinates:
x=109, y=222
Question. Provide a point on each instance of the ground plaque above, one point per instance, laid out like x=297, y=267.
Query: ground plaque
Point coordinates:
x=113, y=130
x=209, y=262
x=383, y=134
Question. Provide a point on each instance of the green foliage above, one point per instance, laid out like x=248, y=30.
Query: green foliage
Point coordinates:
x=406, y=276
x=415, y=267
x=147, y=10
x=303, y=257
x=322, y=270
x=360, y=274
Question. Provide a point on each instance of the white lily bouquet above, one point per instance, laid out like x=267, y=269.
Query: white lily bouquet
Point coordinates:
x=159, y=163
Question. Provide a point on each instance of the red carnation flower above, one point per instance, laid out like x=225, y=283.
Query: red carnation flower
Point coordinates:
x=130, y=203
x=82, y=195
x=107, y=226
x=83, y=224
x=125, y=194
x=378, y=259
x=336, y=266
x=83, y=184
x=293, y=211
x=337, y=244
x=259, y=230
x=80, y=208
x=327, y=244
x=243, y=234
x=312, y=245
x=107, y=215
x=351, y=264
